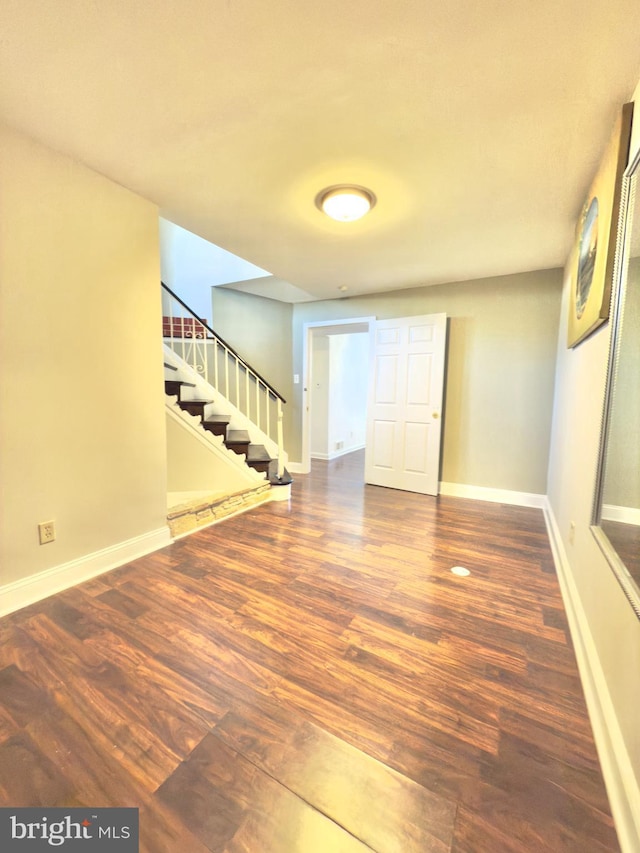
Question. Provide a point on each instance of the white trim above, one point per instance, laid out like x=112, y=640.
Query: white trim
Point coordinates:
x=624, y=514
x=204, y=390
x=298, y=468
x=308, y=330
x=617, y=769
x=280, y=493
x=327, y=457
x=348, y=321
x=500, y=496
x=214, y=443
x=18, y=594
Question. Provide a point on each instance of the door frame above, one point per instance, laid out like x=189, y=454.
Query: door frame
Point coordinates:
x=396, y=474
x=308, y=331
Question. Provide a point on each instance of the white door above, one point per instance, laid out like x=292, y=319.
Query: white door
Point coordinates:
x=404, y=413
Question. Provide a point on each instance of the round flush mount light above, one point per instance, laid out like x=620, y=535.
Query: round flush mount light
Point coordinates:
x=346, y=202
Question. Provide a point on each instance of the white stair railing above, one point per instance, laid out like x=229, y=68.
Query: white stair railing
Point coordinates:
x=217, y=363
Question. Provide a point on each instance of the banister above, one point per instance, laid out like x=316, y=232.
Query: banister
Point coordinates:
x=229, y=348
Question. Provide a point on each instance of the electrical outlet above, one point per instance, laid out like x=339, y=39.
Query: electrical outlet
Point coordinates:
x=46, y=532
x=572, y=533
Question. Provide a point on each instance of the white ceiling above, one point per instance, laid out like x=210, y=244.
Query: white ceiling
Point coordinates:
x=478, y=125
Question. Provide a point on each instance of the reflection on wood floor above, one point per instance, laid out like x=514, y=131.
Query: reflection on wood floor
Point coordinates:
x=311, y=677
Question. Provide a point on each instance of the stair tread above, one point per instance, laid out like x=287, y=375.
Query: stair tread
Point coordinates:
x=170, y=366
x=238, y=436
x=258, y=453
x=180, y=382
x=218, y=419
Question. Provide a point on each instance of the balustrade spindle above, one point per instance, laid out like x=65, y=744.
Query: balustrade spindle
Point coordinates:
x=280, y=438
x=195, y=343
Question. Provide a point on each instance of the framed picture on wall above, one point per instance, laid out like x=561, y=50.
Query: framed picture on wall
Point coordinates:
x=596, y=234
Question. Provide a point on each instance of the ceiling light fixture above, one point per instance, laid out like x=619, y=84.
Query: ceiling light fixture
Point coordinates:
x=345, y=203
x=461, y=571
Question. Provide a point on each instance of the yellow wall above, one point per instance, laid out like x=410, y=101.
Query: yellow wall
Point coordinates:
x=499, y=390
x=82, y=427
x=259, y=330
x=502, y=344
x=608, y=630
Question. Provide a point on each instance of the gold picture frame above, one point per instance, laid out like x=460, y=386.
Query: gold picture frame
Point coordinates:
x=596, y=233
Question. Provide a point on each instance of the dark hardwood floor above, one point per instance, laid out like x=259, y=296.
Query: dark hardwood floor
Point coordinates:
x=311, y=678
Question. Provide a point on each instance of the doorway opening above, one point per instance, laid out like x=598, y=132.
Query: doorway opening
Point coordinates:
x=377, y=384
x=336, y=381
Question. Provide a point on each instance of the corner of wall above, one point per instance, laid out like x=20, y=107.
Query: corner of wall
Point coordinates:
x=617, y=767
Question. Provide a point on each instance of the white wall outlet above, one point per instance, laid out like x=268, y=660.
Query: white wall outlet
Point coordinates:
x=572, y=532
x=296, y=378
x=46, y=532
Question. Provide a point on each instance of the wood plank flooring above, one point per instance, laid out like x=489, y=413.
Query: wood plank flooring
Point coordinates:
x=311, y=678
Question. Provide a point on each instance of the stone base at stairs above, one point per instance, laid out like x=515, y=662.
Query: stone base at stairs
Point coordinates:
x=202, y=508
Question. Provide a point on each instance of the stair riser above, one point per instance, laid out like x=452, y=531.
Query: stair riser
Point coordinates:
x=193, y=407
x=218, y=426
x=216, y=429
x=239, y=448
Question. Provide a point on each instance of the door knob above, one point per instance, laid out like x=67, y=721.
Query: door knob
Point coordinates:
x=435, y=416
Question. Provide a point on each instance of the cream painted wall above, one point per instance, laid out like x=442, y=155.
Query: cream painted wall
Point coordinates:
x=259, y=330
x=191, y=466
x=611, y=625
x=502, y=343
x=191, y=266
x=82, y=431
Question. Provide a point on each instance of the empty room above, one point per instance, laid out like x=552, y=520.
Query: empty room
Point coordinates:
x=319, y=427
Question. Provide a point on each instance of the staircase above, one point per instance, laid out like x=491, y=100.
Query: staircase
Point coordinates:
x=223, y=418
x=238, y=440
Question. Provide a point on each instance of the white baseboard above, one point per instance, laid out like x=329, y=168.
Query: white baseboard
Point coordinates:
x=500, y=496
x=460, y=490
x=18, y=594
x=335, y=454
x=625, y=514
x=617, y=769
x=297, y=468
